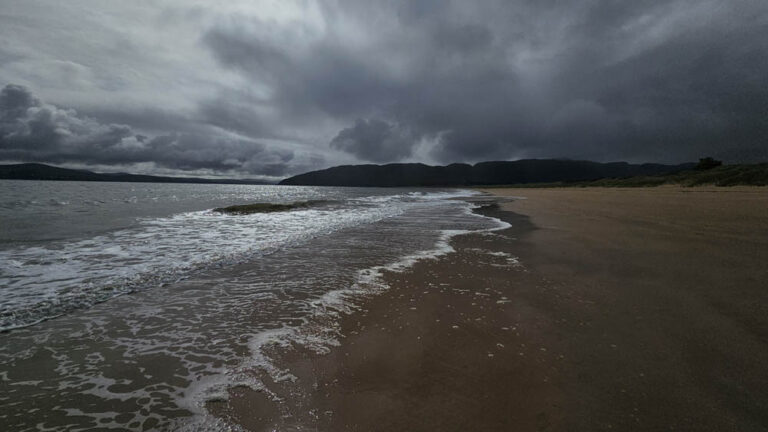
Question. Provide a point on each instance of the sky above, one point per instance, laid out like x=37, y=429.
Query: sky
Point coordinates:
x=267, y=89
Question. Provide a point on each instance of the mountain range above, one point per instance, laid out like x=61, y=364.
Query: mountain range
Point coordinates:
x=483, y=173
x=36, y=171
x=390, y=175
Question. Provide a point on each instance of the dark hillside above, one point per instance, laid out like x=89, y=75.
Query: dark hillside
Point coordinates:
x=484, y=173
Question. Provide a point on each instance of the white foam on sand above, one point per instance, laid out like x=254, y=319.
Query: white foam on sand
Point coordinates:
x=319, y=332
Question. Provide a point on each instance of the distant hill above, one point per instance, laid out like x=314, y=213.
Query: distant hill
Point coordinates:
x=35, y=171
x=484, y=173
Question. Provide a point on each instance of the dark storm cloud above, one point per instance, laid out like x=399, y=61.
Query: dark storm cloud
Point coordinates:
x=275, y=88
x=327, y=79
x=239, y=112
x=375, y=140
x=31, y=130
x=648, y=80
x=29, y=126
x=463, y=38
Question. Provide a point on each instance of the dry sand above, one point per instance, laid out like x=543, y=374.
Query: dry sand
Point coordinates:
x=639, y=309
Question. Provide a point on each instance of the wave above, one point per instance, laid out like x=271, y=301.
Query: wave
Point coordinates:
x=320, y=331
x=47, y=281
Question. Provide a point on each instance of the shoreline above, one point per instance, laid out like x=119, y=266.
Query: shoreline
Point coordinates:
x=598, y=309
x=392, y=319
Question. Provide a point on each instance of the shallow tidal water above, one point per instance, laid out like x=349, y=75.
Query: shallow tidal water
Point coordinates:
x=130, y=305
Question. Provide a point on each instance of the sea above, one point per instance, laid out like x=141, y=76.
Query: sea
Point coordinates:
x=129, y=306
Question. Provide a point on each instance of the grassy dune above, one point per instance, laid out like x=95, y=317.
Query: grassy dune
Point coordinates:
x=725, y=175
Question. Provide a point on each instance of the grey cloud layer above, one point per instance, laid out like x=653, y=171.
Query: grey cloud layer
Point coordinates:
x=31, y=130
x=656, y=80
x=260, y=88
x=375, y=140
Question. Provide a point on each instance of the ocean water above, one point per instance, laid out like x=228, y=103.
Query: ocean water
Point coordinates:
x=127, y=305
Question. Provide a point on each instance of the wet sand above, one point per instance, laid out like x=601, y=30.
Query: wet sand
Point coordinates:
x=600, y=309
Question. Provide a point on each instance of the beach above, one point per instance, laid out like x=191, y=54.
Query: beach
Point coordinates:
x=409, y=216
x=364, y=309
x=599, y=309
x=140, y=308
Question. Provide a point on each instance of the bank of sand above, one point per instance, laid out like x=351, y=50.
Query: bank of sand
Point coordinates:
x=600, y=309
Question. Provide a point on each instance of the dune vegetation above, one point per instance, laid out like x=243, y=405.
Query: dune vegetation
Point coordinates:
x=703, y=175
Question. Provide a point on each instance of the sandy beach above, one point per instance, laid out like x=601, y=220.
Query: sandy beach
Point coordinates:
x=599, y=309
